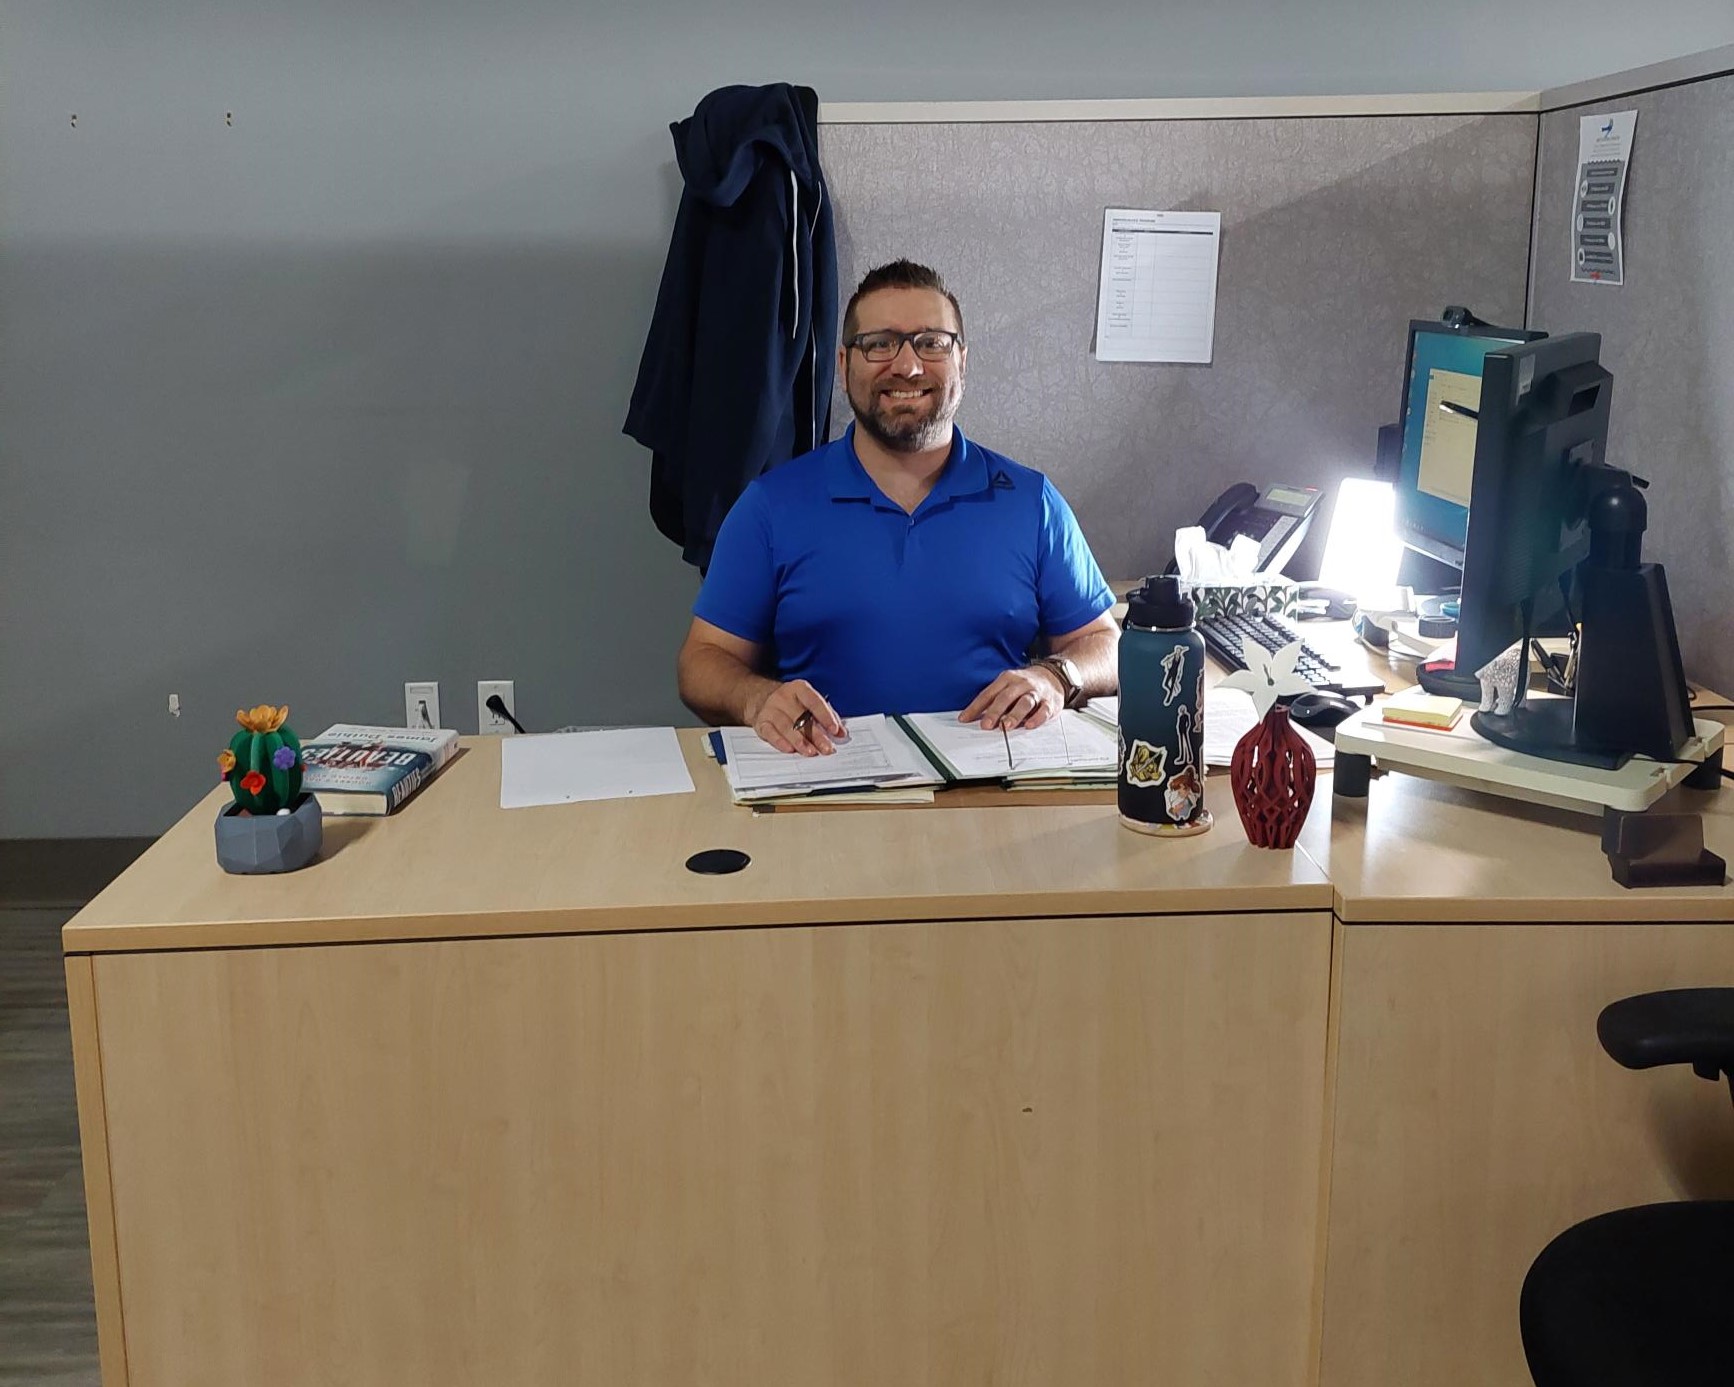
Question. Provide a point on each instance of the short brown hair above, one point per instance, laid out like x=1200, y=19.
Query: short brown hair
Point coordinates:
x=899, y=274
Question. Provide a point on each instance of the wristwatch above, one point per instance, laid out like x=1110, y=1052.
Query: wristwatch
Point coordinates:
x=1070, y=679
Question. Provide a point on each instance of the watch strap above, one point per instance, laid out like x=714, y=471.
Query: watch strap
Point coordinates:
x=1068, y=674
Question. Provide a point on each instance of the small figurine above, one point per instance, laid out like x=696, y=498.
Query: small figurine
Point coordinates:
x=1499, y=678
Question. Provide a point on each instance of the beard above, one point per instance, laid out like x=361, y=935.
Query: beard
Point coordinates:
x=906, y=426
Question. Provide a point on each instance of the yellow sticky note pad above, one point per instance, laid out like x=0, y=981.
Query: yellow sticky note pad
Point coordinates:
x=1413, y=708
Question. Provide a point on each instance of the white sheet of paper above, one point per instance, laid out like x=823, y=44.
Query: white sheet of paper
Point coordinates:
x=1604, y=155
x=1069, y=741
x=567, y=767
x=873, y=753
x=1157, y=300
x=1447, y=439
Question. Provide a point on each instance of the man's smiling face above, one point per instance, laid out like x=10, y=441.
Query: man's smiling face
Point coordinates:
x=906, y=403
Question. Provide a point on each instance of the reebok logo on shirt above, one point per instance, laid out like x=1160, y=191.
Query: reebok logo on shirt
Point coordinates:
x=1002, y=480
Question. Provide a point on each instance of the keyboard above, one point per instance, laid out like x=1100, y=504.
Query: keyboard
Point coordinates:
x=1224, y=635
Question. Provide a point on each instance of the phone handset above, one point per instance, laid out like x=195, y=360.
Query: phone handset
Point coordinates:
x=1277, y=519
x=1217, y=522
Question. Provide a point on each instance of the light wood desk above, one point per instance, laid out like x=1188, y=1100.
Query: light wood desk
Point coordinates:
x=996, y=1093
x=1475, y=1115
x=511, y=1097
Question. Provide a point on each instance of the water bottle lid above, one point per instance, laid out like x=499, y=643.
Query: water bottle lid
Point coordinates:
x=1161, y=604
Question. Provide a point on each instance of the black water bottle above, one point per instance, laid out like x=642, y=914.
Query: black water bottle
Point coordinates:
x=1162, y=712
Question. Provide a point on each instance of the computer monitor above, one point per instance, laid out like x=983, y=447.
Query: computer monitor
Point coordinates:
x=1545, y=509
x=1437, y=456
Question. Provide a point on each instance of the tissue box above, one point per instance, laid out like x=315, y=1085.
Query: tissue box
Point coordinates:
x=1273, y=594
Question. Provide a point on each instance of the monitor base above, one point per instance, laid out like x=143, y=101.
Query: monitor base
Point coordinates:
x=1544, y=728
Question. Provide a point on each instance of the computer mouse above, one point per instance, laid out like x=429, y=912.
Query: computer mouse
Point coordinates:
x=1316, y=711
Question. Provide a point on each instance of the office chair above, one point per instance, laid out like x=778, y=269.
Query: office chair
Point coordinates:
x=1643, y=1296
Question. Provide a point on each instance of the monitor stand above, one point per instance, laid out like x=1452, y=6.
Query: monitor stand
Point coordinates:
x=1462, y=756
x=1631, y=697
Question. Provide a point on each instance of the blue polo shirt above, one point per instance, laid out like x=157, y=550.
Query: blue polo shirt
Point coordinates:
x=886, y=612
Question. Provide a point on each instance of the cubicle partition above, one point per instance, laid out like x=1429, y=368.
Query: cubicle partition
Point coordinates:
x=1340, y=222
x=1667, y=332
x=1338, y=226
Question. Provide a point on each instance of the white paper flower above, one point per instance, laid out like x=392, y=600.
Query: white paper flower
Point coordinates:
x=1268, y=676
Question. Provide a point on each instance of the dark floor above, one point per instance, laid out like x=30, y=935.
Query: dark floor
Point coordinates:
x=47, y=1316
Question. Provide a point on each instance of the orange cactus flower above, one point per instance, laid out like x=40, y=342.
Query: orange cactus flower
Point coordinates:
x=252, y=782
x=225, y=760
x=264, y=718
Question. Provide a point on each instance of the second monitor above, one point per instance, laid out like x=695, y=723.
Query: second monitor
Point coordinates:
x=1441, y=376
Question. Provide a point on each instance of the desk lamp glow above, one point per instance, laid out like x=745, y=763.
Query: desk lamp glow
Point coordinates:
x=1362, y=551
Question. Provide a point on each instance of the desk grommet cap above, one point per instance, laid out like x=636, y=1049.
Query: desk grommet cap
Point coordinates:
x=716, y=862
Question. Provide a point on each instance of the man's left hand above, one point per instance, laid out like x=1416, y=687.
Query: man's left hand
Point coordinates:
x=1018, y=698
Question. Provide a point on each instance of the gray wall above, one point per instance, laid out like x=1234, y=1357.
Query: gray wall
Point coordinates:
x=1667, y=336
x=317, y=328
x=1335, y=234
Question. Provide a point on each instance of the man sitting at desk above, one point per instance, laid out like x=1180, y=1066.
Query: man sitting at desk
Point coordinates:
x=901, y=568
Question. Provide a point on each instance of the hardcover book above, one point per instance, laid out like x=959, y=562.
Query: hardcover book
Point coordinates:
x=352, y=769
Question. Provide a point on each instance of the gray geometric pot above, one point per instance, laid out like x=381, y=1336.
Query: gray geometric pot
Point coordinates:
x=269, y=842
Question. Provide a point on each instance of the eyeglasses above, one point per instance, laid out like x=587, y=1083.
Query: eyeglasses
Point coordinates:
x=930, y=344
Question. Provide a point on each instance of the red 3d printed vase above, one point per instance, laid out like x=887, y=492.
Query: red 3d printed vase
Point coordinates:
x=1273, y=773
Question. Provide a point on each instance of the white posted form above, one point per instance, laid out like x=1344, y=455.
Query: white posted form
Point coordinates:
x=1158, y=292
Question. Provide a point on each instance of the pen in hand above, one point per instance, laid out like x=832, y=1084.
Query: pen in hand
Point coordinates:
x=806, y=720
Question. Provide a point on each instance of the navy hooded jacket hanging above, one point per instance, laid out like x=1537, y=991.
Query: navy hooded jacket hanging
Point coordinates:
x=737, y=367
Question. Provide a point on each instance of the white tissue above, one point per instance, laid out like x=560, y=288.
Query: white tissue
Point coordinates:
x=1202, y=562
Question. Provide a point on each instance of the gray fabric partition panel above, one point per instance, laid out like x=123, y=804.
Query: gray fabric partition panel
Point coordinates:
x=1336, y=231
x=1667, y=335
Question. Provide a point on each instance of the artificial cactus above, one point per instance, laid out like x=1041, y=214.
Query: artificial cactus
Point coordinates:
x=263, y=761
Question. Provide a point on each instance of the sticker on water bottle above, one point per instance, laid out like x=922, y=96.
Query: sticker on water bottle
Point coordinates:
x=1173, y=666
x=1183, y=794
x=1146, y=766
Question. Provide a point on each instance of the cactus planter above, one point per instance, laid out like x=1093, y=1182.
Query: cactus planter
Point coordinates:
x=253, y=844
x=272, y=826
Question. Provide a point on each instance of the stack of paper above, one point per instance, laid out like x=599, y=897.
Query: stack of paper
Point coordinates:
x=872, y=756
x=1228, y=716
x=1071, y=751
x=1104, y=711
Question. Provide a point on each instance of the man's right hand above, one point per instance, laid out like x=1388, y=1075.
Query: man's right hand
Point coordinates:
x=794, y=717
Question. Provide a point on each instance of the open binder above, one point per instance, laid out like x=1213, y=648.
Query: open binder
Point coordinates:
x=904, y=758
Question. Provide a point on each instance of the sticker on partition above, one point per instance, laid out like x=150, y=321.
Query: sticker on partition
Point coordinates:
x=1146, y=765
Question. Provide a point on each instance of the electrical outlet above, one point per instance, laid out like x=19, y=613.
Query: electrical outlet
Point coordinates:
x=421, y=705
x=488, y=722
